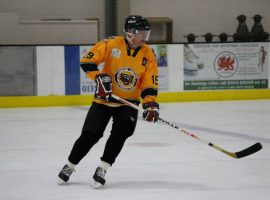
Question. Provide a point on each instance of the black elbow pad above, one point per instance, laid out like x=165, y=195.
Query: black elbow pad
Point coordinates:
x=89, y=67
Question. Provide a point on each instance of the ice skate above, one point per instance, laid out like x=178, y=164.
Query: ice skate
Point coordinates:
x=98, y=178
x=64, y=174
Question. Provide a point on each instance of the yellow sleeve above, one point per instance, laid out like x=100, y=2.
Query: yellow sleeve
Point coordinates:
x=150, y=80
x=93, y=58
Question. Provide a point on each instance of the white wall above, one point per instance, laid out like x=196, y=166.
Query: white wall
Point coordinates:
x=197, y=16
x=50, y=70
x=15, y=15
x=34, y=32
x=176, y=62
x=37, y=9
x=268, y=55
x=202, y=16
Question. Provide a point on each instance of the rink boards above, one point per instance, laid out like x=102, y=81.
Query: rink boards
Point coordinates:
x=38, y=101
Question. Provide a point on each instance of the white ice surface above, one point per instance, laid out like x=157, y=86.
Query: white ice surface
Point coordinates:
x=158, y=162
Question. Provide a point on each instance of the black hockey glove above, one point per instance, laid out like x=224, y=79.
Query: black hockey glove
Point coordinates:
x=151, y=111
x=103, y=87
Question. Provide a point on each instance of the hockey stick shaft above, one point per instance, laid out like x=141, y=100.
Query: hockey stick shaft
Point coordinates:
x=248, y=151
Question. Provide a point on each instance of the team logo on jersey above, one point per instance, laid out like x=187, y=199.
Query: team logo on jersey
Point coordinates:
x=126, y=78
x=116, y=53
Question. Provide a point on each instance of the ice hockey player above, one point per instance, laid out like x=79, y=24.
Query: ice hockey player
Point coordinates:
x=130, y=72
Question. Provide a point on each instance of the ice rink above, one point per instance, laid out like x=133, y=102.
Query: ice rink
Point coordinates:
x=158, y=162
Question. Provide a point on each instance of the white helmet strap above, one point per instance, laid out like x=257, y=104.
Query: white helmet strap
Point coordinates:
x=129, y=35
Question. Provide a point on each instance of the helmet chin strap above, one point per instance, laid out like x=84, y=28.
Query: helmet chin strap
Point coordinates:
x=129, y=37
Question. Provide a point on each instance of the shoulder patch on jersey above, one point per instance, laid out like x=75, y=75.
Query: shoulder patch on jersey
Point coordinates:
x=116, y=53
x=144, y=61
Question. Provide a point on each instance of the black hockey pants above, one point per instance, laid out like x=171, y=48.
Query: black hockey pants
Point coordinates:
x=123, y=125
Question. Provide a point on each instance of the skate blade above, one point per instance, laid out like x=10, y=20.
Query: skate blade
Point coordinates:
x=96, y=185
x=61, y=182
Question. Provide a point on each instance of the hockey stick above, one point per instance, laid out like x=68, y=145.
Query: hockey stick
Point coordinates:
x=240, y=154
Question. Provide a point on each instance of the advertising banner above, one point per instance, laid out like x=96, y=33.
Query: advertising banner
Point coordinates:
x=220, y=66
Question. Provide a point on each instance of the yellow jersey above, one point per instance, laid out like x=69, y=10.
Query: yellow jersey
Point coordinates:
x=134, y=72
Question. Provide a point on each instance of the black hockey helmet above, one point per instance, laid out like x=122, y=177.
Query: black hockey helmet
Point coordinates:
x=135, y=24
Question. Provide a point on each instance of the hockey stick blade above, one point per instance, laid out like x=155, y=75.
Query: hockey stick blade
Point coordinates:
x=240, y=154
x=248, y=151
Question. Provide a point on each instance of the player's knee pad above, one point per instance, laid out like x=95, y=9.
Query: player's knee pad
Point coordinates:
x=90, y=135
x=125, y=130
